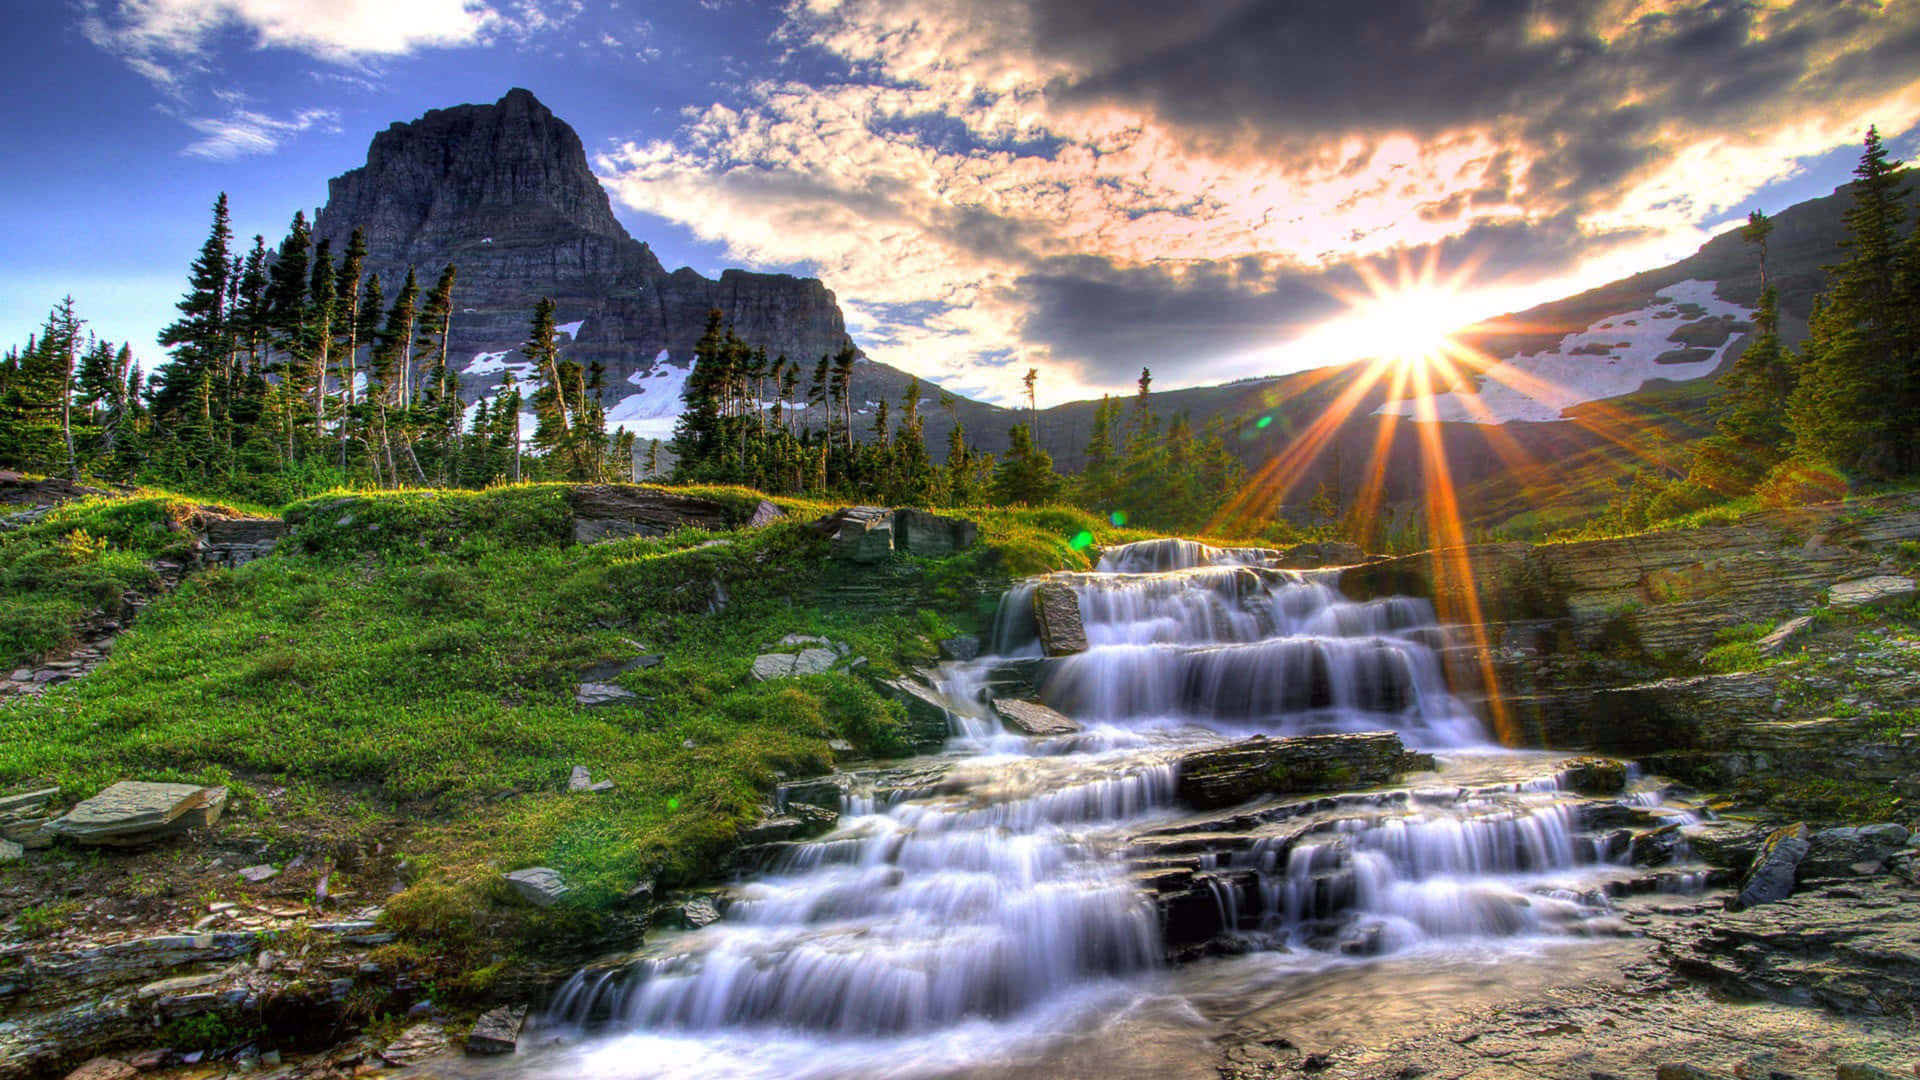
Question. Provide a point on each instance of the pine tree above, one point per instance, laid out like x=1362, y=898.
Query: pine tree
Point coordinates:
x=1025, y=476
x=183, y=404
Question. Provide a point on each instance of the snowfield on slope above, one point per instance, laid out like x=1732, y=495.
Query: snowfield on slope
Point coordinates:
x=1616, y=355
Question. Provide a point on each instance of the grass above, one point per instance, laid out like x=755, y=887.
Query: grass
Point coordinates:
x=408, y=660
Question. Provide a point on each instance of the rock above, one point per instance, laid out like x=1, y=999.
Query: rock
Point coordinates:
x=772, y=830
x=150, y=1060
x=814, y=820
x=260, y=874
x=1783, y=635
x=858, y=534
x=842, y=747
x=415, y=1045
x=1056, y=614
x=824, y=792
x=236, y=541
x=592, y=694
x=1310, y=556
x=1594, y=776
x=616, y=511
x=932, y=536
x=580, y=779
x=104, y=1068
x=698, y=912
x=540, y=886
x=11, y=852
x=26, y=802
x=770, y=666
x=1835, y=852
x=961, y=647
x=613, y=669
x=1870, y=592
x=1770, y=878
x=1234, y=773
x=134, y=812
x=1852, y=1071
x=1033, y=718
x=497, y=1031
x=1683, y=1072
x=927, y=718
x=764, y=513
x=807, y=639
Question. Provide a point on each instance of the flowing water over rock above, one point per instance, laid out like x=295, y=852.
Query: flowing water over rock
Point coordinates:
x=964, y=918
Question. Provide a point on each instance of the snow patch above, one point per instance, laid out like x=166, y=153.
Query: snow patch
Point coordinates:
x=571, y=329
x=651, y=412
x=1541, y=386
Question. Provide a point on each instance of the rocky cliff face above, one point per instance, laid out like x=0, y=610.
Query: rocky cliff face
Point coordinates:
x=503, y=191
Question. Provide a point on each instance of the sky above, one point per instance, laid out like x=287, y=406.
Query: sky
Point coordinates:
x=1217, y=189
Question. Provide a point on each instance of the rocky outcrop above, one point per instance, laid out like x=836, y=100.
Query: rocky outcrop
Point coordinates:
x=540, y=886
x=1232, y=774
x=614, y=511
x=927, y=725
x=1878, y=591
x=504, y=192
x=932, y=536
x=1770, y=878
x=133, y=812
x=858, y=534
x=1056, y=616
x=236, y=541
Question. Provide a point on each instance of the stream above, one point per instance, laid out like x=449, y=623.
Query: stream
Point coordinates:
x=992, y=912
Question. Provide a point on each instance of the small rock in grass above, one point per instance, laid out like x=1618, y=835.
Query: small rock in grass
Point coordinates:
x=259, y=874
x=580, y=779
x=540, y=886
x=595, y=693
x=104, y=1068
x=497, y=1031
x=11, y=852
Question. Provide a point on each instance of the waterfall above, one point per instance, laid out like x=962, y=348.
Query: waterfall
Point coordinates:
x=1015, y=882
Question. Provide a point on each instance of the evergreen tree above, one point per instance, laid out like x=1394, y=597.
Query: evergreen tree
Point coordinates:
x=1025, y=476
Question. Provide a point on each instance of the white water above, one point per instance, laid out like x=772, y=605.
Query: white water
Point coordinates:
x=946, y=924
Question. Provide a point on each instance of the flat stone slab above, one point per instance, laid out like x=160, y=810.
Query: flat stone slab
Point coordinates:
x=540, y=886
x=786, y=665
x=497, y=1031
x=1234, y=773
x=1783, y=635
x=1033, y=718
x=136, y=812
x=1871, y=592
x=595, y=693
x=27, y=800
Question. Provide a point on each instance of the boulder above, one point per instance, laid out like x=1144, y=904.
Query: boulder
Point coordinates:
x=540, y=886
x=104, y=1068
x=960, y=647
x=616, y=511
x=698, y=912
x=1232, y=774
x=1056, y=615
x=1771, y=876
x=1776, y=642
x=497, y=1031
x=591, y=694
x=927, y=718
x=764, y=513
x=932, y=536
x=1871, y=592
x=1594, y=776
x=135, y=812
x=769, y=666
x=1843, y=852
x=236, y=541
x=1033, y=718
x=11, y=852
x=824, y=792
x=858, y=534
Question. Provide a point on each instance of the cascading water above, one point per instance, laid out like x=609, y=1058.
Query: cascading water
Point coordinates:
x=1008, y=898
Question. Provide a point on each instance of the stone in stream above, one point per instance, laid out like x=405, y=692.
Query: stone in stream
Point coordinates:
x=1770, y=878
x=926, y=727
x=134, y=812
x=961, y=647
x=698, y=912
x=1870, y=592
x=1056, y=613
x=540, y=886
x=1232, y=774
x=1594, y=776
x=415, y=1045
x=1033, y=718
x=497, y=1031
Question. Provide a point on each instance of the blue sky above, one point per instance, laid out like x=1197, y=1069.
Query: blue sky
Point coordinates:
x=987, y=184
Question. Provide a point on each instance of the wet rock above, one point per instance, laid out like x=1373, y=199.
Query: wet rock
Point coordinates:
x=1837, y=852
x=592, y=694
x=1776, y=642
x=772, y=830
x=1056, y=615
x=1232, y=774
x=1316, y=554
x=134, y=812
x=415, y=1045
x=1594, y=776
x=814, y=819
x=1727, y=844
x=1871, y=592
x=770, y=666
x=698, y=912
x=960, y=647
x=932, y=536
x=927, y=724
x=497, y=1031
x=1033, y=718
x=858, y=534
x=540, y=886
x=1771, y=876
x=824, y=792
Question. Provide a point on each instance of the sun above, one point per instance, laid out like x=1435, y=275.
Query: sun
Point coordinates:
x=1409, y=325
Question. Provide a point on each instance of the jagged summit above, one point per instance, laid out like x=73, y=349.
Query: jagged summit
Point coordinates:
x=503, y=191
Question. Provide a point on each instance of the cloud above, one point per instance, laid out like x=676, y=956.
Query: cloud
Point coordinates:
x=1077, y=186
x=245, y=133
